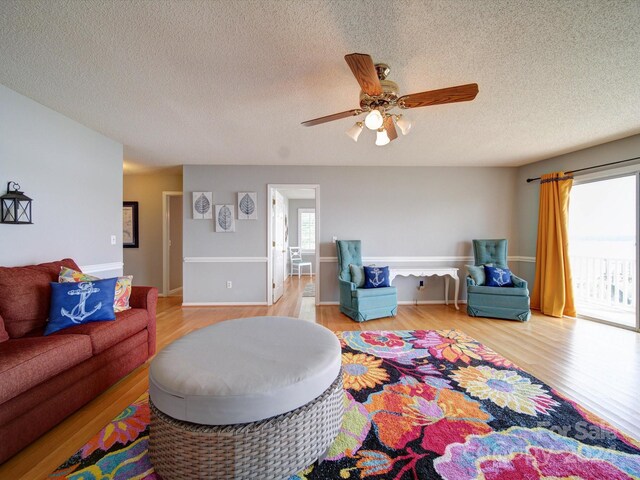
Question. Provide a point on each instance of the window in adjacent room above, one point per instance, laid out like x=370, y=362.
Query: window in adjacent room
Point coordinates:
x=307, y=229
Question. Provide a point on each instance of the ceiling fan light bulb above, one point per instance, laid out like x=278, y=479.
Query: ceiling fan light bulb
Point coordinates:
x=355, y=131
x=373, y=120
x=382, y=138
x=403, y=124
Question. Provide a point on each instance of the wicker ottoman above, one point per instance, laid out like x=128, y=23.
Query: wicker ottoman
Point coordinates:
x=250, y=398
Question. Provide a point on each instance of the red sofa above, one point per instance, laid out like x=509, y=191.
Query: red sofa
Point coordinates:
x=45, y=379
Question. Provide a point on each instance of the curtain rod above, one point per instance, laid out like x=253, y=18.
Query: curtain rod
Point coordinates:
x=529, y=180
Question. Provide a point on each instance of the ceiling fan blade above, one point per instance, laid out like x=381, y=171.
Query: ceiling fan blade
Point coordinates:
x=365, y=72
x=460, y=93
x=330, y=118
x=390, y=128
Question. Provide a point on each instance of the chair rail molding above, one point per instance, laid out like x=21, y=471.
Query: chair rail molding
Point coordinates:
x=432, y=259
x=101, y=267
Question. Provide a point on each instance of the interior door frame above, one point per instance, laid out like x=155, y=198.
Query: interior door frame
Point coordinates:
x=165, y=239
x=271, y=188
x=611, y=174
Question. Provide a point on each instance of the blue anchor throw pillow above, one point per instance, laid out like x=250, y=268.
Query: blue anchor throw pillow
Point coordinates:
x=80, y=303
x=497, y=276
x=376, y=277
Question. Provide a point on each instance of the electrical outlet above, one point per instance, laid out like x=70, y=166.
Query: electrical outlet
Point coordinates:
x=421, y=285
x=229, y=284
x=113, y=240
x=334, y=239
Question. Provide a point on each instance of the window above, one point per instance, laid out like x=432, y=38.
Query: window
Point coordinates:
x=602, y=245
x=307, y=229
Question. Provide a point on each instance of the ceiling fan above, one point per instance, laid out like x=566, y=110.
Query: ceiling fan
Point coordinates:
x=379, y=95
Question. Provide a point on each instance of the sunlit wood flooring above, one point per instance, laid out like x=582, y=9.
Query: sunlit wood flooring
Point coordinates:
x=594, y=364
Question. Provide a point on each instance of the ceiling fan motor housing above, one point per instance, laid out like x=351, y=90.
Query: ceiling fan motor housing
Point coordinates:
x=386, y=100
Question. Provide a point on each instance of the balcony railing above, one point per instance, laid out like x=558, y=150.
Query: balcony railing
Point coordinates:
x=605, y=282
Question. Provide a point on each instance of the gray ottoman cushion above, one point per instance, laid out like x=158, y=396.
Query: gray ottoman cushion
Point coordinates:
x=244, y=370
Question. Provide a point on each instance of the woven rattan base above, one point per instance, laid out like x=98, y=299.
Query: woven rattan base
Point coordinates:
x=274, y=448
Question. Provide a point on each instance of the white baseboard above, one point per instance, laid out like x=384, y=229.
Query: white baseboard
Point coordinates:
x=221, y=304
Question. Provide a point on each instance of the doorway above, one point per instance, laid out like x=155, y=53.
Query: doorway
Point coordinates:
x=172, y=220
x=293, y=228
x=603, y=248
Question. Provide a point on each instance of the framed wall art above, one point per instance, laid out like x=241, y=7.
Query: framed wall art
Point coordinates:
x=202, y=205
x=130, y=225
x=225, y=221
x=247, y=206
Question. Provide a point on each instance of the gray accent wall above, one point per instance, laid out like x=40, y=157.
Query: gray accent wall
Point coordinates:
x=396, y=212
x=74, y=176
x=527, y=196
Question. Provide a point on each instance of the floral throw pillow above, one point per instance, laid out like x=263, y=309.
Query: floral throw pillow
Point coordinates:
x=122, y=290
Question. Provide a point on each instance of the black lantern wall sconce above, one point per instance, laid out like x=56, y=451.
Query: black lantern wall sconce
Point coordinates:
x=15, y=206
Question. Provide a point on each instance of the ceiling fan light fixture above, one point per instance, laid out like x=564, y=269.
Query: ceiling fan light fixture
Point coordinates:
x=382, y=138
x=374, y=119
x=355, y=131
x=403, y=124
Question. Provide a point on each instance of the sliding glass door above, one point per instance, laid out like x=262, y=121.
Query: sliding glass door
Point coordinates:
x=603, y=234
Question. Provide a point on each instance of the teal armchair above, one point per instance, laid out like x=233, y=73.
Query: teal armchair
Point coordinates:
x=510, y=303
x=361, y=304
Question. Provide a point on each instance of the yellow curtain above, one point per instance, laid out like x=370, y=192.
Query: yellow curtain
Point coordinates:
x=553, y=289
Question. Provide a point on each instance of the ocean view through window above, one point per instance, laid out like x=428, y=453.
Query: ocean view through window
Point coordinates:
x=603, y=249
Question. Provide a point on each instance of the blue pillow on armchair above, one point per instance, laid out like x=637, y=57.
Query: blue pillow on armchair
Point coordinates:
x=376, y=277
x=80, y=303
x=497, y=276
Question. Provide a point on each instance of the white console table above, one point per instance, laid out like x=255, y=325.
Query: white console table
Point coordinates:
x=429, y=272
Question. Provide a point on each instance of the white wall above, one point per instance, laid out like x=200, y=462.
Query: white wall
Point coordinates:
x=74, y=176
x=396, y=212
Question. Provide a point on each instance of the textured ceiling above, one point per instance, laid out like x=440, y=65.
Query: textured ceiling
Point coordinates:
x=228, y=82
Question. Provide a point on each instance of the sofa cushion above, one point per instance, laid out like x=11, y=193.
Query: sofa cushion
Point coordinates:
x=373, y=292
x=508, y=291
x=3, y=333
x=104, y=335
x=27, y=362
x=25, y=295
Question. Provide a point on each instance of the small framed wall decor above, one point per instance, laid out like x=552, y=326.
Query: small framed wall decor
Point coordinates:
x=202, y=205
x=247, y=206
x=130, y=225
x=225, y=221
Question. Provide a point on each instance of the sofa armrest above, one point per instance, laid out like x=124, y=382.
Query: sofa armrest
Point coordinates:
x=147, y=298
x=518, y=282
x=345, y=291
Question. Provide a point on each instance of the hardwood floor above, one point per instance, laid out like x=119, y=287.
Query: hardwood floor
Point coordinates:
x=594, y=364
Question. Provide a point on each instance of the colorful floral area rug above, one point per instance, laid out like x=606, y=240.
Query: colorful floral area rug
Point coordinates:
x=423, y=404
